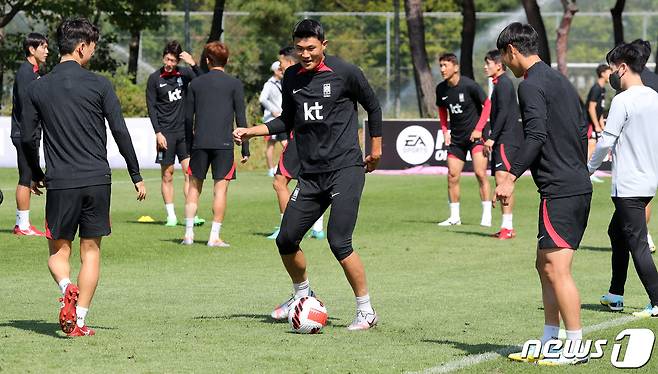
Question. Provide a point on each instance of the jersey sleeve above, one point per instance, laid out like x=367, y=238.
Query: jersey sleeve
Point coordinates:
x=265, y=98
x=368, y=100
x=286, y=121
x=503, y=102
x=594, y=93
x=190, y=99
x=31, y=133
x=534, y=114
x=112, y=112
x=151, y=101
x=478, y=96
x=240, y=113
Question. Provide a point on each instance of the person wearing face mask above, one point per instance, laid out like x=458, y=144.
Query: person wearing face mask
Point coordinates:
x=35, y=47
x=628, y=133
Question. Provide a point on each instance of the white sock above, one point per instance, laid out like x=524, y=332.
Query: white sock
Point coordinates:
x=486, y=208
x=63, y=284
x=302, y=289
x=319, y=224
x=23, y=219
x=550, y=332
x=363, y=303
x=189, y=227
x=507, y=221
x=171, y=213
x=454, y=211
x=574, y=336
x=81, y=314
x=214, y=231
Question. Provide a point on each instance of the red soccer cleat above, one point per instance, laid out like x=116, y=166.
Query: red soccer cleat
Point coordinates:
x=31, y=231
x=67, y=315
x=81, y=331
x=506, y=234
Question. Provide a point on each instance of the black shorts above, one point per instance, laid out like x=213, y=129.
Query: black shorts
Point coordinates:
x=340, y=189
x=221, y=160
x=562, y=221
x=24, y=171
x=289, y=162
x=176, y=147
x=459, y=150
x=84, y=207
x=502, y=157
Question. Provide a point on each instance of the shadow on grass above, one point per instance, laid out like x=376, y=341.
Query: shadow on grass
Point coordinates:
x=8, y=231
x=262, y=234
x=597, y=308
x=474, y=233
x=473, y=349
x=150, y=223
x=262, y=318
x=38, y=326
x=419, y=221
x=592, y=248
x=178, y=241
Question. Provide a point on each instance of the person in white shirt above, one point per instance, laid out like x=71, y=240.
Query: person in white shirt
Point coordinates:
x=629, y=133
x=271, y=99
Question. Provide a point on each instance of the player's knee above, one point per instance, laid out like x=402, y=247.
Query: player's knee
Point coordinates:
x=167, y=177
x=286, y=244
x=341, y=247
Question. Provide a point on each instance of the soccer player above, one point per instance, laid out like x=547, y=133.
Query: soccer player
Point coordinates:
x=319, y=102
x=166, y=89
x=288, y=168
x=628, y=133
x=214, y=102
x=270, y=100
x=469, y=110
x=35, y=47
x=595, y=108
x=506, y=133
x=72, y=105
x=555, y=151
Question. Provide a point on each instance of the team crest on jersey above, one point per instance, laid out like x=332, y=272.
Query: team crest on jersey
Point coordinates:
x=326, y=90
x=461, y=97
x=179, y=81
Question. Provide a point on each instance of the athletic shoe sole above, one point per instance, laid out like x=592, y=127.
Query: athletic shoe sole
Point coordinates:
x=67, y=314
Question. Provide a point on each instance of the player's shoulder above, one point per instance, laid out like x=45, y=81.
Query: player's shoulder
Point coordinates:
x=338, y=64
x=442, y=86
x=155, y=75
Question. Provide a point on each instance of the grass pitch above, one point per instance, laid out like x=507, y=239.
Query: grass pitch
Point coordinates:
x=442, y=293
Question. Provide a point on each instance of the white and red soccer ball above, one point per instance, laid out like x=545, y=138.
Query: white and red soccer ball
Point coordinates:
x=307, y=315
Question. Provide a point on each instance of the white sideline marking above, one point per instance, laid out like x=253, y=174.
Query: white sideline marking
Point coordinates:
x=488, y=356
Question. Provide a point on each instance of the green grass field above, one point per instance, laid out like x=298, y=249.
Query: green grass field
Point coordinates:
x=442, y=293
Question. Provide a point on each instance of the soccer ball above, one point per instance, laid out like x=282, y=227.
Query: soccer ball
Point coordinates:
x=307, y=315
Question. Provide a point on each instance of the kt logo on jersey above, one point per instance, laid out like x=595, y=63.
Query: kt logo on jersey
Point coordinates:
x=312, y=113
x=175, y=95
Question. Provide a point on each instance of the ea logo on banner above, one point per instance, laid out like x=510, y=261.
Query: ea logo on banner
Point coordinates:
x=415, y=145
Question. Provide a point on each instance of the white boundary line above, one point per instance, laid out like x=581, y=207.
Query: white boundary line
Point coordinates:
x=489, y=356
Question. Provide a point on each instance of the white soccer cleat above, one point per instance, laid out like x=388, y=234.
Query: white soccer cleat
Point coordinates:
x=218, y=243
x=280, y=313
x=188, y=240
x=450, y=222
x=363, y=321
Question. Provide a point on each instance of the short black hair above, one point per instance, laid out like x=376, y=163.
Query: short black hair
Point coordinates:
x=174, y=48
x=522, y=36
x=632, y=54
x=288, y=53
x=449, y=57
x=308, y=28
x=33, y=40
x=495, y=56
x=602, y=69
x=644, y=47
x=72, y=32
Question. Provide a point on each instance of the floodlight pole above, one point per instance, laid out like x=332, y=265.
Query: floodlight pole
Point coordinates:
x=187, y=25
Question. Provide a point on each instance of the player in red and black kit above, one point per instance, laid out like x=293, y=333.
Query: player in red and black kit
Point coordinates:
x=506, y=132
x=555, y=151
x=595, y=107
x=72, y=104
x=166, y=89
x=288, y=167
x=319, y=102
x=35, y=47
x=215, y=101
x=468, y=107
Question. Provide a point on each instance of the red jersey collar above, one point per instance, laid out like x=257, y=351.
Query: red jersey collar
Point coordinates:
x=321, y=67
x=167, y=74
x=495, y=79
x=35, y=68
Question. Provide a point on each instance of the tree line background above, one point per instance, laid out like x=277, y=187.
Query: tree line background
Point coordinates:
x=134, y=32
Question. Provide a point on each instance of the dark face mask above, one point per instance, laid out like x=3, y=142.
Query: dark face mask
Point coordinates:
x=615, y=81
